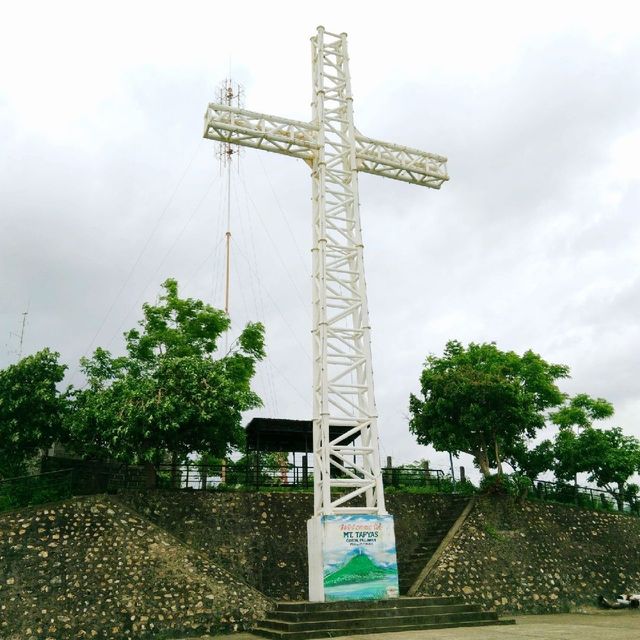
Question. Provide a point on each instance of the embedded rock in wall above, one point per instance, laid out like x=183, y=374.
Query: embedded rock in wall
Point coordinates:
x=538, y=557
x=262, y=537
x=91, y=567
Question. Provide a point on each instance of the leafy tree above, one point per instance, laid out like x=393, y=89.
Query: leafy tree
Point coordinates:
x=575, y=416
x=31, y=409
x=609, y=457
x=531, y=462
x=567, y=456
x=169, y=393
x=480, y=400
x=580, y=412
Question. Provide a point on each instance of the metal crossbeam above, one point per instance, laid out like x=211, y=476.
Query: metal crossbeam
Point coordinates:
x=343, y=391
x=298, y=139
x=400, y=163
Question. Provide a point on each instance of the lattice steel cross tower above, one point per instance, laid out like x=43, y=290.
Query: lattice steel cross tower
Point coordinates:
x=342, y=374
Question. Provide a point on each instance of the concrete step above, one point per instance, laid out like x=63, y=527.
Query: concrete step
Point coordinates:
x=397, y=603
x=381, y=624
x=341, y=631
x=308, y=620
x=374, y=613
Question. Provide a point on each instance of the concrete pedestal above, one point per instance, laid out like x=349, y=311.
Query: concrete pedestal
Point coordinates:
x=352, y=557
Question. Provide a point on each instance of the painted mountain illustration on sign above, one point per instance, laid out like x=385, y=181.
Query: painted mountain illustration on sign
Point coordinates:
x=360, y=568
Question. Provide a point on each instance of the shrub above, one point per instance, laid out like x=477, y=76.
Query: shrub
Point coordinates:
x=497, y=485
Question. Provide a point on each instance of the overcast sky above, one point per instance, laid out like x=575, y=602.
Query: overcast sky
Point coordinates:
x=107, y=187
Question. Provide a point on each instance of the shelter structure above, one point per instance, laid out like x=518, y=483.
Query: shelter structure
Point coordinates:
x=268, y=435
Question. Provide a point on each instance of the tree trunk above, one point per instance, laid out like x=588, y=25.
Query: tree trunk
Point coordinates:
x=174, y=469
x=497, y=452
x=483, y=462
x=620, y=496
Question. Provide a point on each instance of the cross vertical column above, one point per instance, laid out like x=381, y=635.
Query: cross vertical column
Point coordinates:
x=343, y=380
x=349, y=509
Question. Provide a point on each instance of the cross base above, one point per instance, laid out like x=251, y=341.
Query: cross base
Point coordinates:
x=352, y=557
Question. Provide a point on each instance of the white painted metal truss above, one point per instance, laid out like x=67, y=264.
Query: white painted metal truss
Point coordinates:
x=347, y=472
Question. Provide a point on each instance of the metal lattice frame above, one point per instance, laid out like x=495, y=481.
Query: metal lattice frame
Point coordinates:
x=342, y=374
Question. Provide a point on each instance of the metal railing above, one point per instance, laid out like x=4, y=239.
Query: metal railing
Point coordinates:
x=59, y=484
x=91, y=478
x=583, y=496
x=35, y=489
x=287, y=476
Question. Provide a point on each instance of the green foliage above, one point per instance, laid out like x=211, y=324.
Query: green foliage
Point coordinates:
x=567, y=454
x=269, y=464
x=492, y=532
x=522, y=485
x=465, y=487
x=481, y=400
x=496, y=485
x=531, y=462
x=580, y=411
x=168, y=393
x=607, y=455
x=631, y=494
x=31, y=409
x=515, y=485
x=35, y=489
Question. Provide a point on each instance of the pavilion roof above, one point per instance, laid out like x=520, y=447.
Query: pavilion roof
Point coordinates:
x=281, y=434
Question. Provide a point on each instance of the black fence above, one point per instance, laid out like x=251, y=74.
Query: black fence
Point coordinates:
x=62, y=483
x=35, y=489
x=87, y=478
x=583, y=496
x=288, y=476
x=75, y=477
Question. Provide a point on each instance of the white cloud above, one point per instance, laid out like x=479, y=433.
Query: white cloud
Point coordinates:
x=533, y=243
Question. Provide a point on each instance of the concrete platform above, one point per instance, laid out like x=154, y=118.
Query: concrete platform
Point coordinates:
x=592, y=625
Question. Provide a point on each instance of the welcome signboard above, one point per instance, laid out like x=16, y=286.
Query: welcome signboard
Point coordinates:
x=358, y=558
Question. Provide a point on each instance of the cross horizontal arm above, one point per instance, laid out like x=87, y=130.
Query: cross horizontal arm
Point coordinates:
x=260, y=131
x=299, y=139
x=400, y=163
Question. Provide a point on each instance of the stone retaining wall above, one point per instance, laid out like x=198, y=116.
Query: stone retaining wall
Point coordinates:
x=262, y=537
x=170, y=564
x=92, y=568
x=538, y=557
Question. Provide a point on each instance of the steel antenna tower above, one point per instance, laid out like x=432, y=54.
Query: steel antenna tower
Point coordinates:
x=229, y=94
x=343, y=393
x=20, y=335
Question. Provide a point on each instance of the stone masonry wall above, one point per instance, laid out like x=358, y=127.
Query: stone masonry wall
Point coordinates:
x=92, y=568
x=538, y=557
x=262, y=537
x=172, y=564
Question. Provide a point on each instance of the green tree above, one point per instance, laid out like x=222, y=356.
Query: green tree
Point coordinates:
x=567, y=458
x=610, y=458
x=576, y=415
x=169, y=393
x=31, y=409
x=580, y=411
x=480, y=400
x=531, y=462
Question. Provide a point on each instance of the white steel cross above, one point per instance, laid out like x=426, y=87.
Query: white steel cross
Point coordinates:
x=342, y=374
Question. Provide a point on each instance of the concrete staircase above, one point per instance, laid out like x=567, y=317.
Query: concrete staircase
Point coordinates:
x=409, y=568
x=306, y=620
